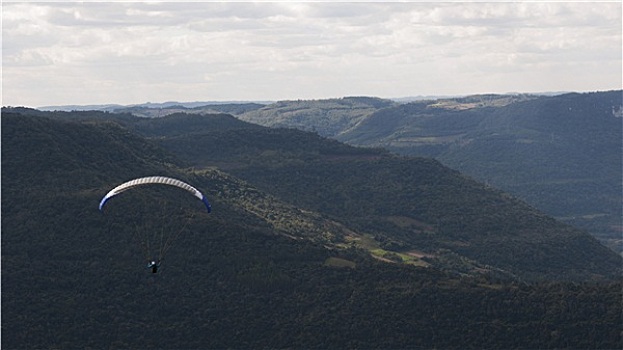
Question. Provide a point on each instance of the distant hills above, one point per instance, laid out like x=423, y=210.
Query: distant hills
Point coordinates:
x=411, y=209
x=561, y=153
x=147, y=105
x=312, y=243
x=390, y=198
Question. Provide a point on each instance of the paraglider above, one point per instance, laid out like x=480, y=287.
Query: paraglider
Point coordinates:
x=153, y=237
x=153, y=265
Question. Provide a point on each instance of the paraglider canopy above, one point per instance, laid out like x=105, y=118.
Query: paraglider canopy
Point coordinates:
x=155, y=180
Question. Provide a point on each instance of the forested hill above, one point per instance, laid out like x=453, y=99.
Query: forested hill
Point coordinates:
x=328, y=118
x=411, y=210
x=561, y=154
x=409, y=206
x=365, y=249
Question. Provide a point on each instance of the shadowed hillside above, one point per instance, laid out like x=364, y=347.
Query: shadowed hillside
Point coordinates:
x=257, y=272
x=406, y=204
x=561, y=154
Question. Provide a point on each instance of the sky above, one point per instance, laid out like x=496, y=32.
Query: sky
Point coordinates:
x=71, y=53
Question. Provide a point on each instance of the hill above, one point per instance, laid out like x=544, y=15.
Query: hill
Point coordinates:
x=560, y=154
x=254, y=273
x=409, y=206
x=151, y=111
x=158, y=109
x=328, y=118
x=411, y=210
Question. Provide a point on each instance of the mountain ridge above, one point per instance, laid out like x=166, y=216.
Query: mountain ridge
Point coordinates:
x=350, y=185
x=535, y=147
x=72, y=278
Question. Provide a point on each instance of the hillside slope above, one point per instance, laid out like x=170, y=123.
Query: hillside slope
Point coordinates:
x=409, y=206
x=561, y=154
x=72, y=278
x=328, y=118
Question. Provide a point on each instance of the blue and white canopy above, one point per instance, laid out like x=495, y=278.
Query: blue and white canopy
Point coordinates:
x=155, y=180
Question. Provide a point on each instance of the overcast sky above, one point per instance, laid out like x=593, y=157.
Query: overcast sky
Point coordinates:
x=129, y=53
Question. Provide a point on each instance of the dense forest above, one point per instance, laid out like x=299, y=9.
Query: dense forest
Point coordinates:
x=307, y=245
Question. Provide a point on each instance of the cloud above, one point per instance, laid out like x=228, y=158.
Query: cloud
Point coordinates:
x=133, y=52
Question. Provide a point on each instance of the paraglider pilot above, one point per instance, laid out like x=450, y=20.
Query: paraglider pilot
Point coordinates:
x=153, y=265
